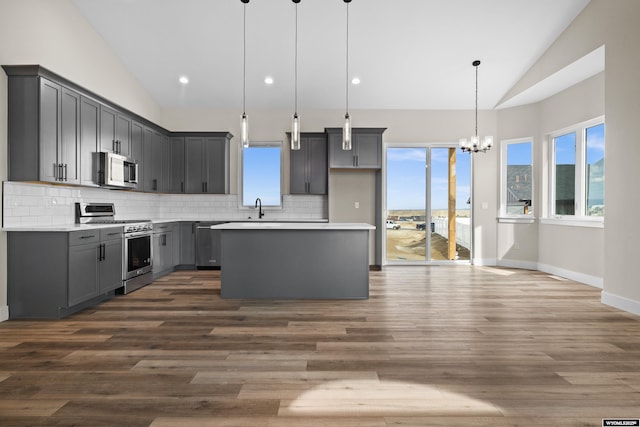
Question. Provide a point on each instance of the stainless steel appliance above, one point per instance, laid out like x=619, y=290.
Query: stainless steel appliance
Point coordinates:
x=208, y=245
x=117, y=171
x=137, y=260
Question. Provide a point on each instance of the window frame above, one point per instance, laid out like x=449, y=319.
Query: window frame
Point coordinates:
x=580, y=217
x=275, y=144
x=504, y=215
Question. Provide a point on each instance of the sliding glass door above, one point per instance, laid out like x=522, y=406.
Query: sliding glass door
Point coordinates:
x=428, y=204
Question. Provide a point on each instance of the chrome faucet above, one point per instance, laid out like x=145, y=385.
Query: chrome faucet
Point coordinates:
x=259, y=203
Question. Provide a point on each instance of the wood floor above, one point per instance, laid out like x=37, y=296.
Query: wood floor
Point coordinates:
x=433, y=346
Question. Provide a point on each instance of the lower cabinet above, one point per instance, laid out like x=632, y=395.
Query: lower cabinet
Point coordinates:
x=187, y=249
x=72, y=270
x=163, y=249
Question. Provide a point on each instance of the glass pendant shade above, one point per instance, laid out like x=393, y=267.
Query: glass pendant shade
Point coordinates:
x=346, y=133
x=244, y=130
x=295, y=133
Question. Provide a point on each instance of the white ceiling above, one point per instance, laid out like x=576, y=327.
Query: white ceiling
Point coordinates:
x=409, y=54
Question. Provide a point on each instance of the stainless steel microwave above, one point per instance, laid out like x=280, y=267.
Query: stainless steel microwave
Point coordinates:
x=117, y=171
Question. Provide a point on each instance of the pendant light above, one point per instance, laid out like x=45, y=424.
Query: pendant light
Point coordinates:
x=295, y=125
x=474, y=144
x=244, y=125
x=346, y=130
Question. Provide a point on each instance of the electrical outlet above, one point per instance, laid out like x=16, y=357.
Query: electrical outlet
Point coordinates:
x=357, y=205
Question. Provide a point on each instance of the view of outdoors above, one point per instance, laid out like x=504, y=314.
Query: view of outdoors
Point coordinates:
x=417, y=191
x=261, y=175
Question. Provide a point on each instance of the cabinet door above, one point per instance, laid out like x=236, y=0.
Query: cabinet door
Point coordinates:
x=339, y=158
x=215, y=165
x=108, y=137
x=137, y=131
x=187, y=243
x=177, y=165
x=83, y=273
x=123, y=135
x=193, y=177
x=369, y=150
x=156, y=162
x=50, y=94
x=111, y=266
x=145, y=170
x=297, y=169
x=166, y=163
x=89, y=140
x=156, y=246
x=317, y=165
x=69, y=147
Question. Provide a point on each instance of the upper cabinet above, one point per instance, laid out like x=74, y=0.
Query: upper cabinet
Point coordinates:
x=206, y=163
x=44, y=130
x=308, y=166
x=176, y=156
x=366, y=149
x=115, y=131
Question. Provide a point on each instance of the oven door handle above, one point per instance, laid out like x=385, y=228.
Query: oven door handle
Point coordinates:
x=137, y=234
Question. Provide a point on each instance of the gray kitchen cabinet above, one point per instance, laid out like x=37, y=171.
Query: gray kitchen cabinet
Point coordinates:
x=43, y=129
x=176, y=171
x=166, y=177
x=162, y=249
x=110, y=271
x=75, y=270
x=95, y=263
x=115, y=131
x=137, y=151
x=83, y=272
x=89, y=140
x=365, y=153
x=308, y=166
x=207, y=163
x=187, y=245
x=154, y=152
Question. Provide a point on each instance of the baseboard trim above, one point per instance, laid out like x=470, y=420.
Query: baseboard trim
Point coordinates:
x=513, y=263
x=587, y=279
x=4, y=313
x=620, y=303
x=486, y=262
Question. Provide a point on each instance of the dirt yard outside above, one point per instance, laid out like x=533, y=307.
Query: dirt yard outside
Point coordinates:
x=408, y=244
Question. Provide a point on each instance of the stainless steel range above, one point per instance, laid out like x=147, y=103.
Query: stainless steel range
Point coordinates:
x=137, y=260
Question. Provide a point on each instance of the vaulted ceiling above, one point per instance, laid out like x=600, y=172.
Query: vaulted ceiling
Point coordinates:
x=408, y=54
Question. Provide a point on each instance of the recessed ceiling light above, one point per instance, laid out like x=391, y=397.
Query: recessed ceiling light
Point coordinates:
x=268, y=80
x=355, y=80
x=184, y=80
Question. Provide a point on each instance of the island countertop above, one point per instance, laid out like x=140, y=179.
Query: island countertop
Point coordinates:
x=293, y=226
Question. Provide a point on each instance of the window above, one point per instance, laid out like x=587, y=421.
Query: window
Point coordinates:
x=261, y=174
x=517, y=178
x=577, y=171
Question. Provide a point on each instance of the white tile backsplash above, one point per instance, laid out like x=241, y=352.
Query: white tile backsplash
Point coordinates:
x=46, y=204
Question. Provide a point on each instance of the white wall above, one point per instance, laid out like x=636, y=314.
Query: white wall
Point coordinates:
x=614, y=25
x=556, y=248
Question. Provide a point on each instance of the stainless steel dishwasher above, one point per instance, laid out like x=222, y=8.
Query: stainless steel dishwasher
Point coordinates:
x=208, y=245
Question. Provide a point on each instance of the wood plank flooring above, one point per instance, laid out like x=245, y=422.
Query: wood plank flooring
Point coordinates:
x=433, y=346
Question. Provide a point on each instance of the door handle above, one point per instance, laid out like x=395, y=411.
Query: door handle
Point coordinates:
x=182, y=187
x=65, y=171
x=155, y=184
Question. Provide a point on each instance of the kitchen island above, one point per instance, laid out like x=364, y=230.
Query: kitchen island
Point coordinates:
x=279, y=260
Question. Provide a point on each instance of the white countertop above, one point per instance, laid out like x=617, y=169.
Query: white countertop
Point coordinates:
x=293, y=226
x=82, y=227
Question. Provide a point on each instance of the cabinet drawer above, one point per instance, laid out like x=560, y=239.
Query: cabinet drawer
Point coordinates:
x=84, y=237
x=110, y=234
